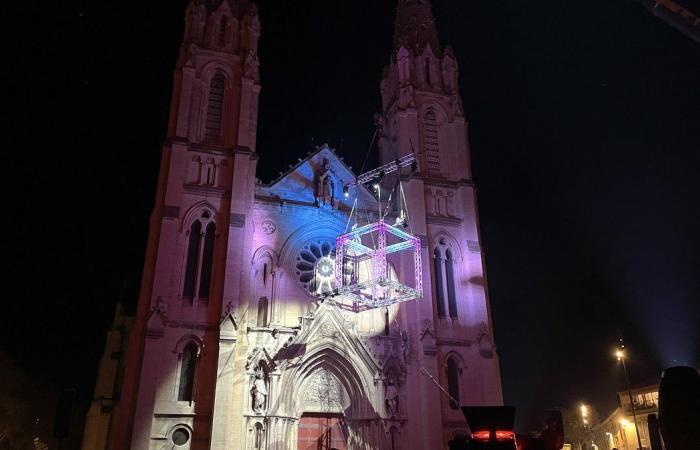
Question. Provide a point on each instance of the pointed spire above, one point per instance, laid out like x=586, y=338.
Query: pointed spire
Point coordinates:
x=238, y=7
x=415, y=26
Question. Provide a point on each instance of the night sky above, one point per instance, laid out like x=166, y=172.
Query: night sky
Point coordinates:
x=585, y=136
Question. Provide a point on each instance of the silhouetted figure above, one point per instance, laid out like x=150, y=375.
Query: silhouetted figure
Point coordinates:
x=679, y=408
x=654, y=434
x=552, y=435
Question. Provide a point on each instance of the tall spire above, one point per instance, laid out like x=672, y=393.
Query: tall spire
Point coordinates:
x=415, y=26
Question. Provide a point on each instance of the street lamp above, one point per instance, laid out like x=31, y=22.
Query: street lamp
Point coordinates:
x=620, y=354
x=584, y=418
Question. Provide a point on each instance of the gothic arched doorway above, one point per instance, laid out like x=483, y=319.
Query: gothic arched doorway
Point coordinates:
x=321, y=431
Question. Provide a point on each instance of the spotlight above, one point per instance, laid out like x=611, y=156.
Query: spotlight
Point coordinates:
x=376, y=186
x=346, y=191
x=401, y=220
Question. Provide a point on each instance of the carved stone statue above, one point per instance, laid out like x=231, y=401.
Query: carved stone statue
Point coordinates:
x=324, y=188
x=259, y=392
x=391, y=398
x=252, y=67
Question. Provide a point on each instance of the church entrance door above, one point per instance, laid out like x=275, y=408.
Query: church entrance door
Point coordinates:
x=322, y=432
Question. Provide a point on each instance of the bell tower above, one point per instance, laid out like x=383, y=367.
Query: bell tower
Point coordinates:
x=421, y=106
x=422, y=113
x=205, y=191
x=215, y=94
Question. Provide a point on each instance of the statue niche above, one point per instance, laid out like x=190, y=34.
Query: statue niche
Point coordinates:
x=391, y=398
x=325, y=190
x=259, y=392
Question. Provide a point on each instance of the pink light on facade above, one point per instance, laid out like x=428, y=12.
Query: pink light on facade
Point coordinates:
x=371, y=244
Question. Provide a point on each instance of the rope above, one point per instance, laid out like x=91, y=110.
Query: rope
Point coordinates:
x=354, y=204
x=437, y=383
x=408, y=217
x=371, y=144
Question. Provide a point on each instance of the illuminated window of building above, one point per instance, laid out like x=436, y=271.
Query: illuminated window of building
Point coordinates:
x=315, y=266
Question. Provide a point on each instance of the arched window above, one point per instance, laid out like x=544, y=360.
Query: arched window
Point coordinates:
x=439, y=289
x=453, y=382
x=394, y=444
x=207, y=260
x=258, y=435
x=431, y=141
x=427, y=72
x=450, y=278
x=192, y=259
x=223, y=24
x=200, y=258
x=187, y=370
x=262, y=311
x=215, y=106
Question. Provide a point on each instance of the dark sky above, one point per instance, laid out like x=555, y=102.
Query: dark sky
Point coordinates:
x=585, y=135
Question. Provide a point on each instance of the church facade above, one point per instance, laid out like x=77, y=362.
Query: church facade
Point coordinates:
x=231, y=347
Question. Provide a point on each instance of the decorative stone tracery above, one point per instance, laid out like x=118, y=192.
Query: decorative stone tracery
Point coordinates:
x=324, y=393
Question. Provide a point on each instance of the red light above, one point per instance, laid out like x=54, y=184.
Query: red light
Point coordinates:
x=481, y=435
x=505, y=435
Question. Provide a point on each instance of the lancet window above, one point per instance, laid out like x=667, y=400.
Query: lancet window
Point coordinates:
x=427, y=72
x=200, y=258
x=258, y=436
x=439, y=288
x=431, y=141
x=188, y=364
x=262, y=311
x=445, y=282
x=450, y=278
x=215, y=106
x=223, y=25
x=453, y=381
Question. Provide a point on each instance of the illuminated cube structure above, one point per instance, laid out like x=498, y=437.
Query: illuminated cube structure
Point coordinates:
x=368, y=246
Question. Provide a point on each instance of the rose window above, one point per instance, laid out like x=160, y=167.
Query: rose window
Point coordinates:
x=315, y=267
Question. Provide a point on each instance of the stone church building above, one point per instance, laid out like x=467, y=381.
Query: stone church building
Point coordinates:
x=230, y=347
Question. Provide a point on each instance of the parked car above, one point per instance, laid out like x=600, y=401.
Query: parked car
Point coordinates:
x=491, y=427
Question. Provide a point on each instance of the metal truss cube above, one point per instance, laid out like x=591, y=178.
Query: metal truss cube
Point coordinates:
x=369, y=246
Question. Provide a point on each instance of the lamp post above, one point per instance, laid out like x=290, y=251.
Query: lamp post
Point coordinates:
x=584, y=419
x=621, y=357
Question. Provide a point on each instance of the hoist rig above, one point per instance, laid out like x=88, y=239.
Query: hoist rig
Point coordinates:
x=362, y=274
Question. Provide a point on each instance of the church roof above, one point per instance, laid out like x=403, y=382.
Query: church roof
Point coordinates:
x=415, y=27
x=298, y=182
